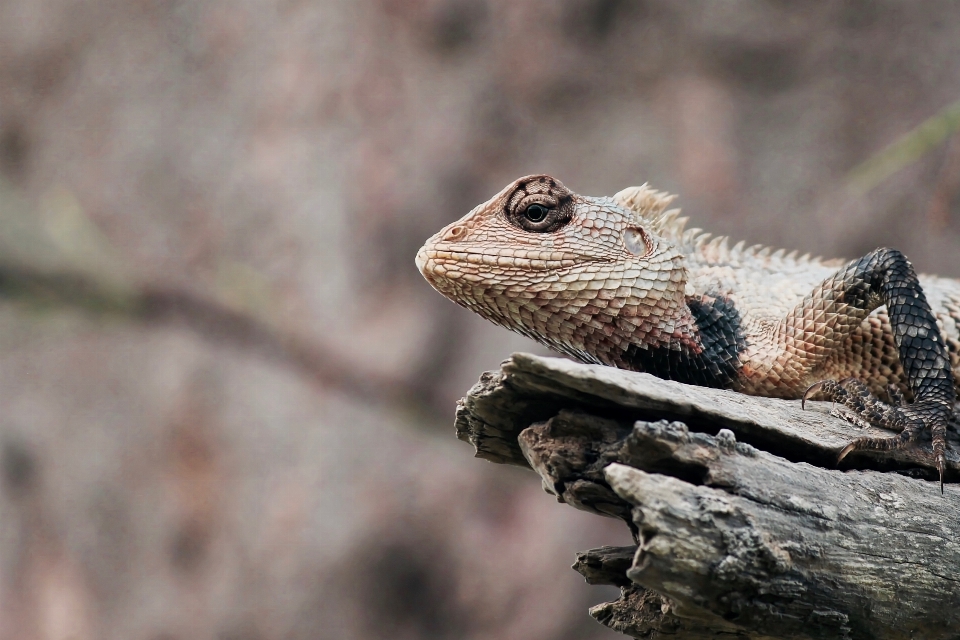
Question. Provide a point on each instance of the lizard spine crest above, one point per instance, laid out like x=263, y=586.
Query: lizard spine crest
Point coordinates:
x=650, y=207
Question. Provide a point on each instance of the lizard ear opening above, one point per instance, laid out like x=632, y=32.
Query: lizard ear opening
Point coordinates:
x=635, y=241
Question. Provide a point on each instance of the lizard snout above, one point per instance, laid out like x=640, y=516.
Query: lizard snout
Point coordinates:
x=421, y=259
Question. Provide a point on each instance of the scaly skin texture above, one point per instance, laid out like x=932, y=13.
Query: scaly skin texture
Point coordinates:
x=619, y=281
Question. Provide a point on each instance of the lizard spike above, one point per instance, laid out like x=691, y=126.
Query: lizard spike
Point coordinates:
x=751, y=251
x=778, y=254
x=665, y=199
x=792, y=255
x=715, y=243
x=804, y=258
x=678, y=226
x=723, y=250
x=716, y=246
x=701, y=240
x=667, y=220
x=630, y=197
x=763, y=252
x=645, y=200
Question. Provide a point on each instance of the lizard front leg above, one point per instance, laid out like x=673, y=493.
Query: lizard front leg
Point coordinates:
x=822, y=323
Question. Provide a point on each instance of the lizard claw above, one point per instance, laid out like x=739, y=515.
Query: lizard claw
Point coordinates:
x=847, y=449
x=813, y=390
x=940, y=464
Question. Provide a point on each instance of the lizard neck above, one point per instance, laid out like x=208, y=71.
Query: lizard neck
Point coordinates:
x=713, y=361
x=605, y=312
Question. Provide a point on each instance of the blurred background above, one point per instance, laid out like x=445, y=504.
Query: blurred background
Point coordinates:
x=226, y=393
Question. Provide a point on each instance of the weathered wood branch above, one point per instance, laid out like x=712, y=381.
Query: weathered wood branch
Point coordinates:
x=744, y=525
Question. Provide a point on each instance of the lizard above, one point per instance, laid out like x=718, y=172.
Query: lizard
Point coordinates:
x=621, y=281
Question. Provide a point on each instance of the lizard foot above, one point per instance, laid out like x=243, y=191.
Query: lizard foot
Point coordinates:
x=910, y=420
x=896, y=396
x=849, y=416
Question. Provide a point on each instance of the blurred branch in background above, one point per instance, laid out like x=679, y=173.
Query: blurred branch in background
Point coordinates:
x=218, y=323
x=911, y=147
x=208, y=318
x=58, y=258
x=947, y=188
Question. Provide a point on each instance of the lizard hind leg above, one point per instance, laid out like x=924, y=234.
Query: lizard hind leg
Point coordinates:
x=840, y=305
x=909, y=420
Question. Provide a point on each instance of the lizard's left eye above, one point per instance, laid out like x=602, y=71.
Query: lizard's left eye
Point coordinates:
x=536, y=213
x=539, y=213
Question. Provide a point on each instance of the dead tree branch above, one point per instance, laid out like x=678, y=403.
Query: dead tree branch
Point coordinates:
x=744, y=526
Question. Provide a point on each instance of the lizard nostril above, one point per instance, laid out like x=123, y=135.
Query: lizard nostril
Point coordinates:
x=455, y=233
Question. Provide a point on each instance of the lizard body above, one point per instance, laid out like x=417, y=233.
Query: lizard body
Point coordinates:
x=620, y=281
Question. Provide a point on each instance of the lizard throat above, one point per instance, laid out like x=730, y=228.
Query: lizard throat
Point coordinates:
x=600, y=314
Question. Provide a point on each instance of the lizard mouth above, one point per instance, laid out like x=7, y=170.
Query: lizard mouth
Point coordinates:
x=426, y=265
x=421, y=259
x=435, y=269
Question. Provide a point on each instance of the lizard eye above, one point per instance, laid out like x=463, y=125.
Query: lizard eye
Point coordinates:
x=541, y=210
x=540, y=218
x=536, y=213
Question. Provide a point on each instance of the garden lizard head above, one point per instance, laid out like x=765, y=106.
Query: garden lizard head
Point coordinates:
x=586, y=276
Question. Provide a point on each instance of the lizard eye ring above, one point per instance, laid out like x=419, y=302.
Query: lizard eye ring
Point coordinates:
x=536, y=213
x=539, y=205
x=539, y=213
x=539, y=218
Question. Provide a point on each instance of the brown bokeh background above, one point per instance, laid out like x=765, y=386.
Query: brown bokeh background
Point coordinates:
x=283, y=160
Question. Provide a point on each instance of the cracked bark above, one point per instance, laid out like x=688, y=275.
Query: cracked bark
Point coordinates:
x=744, y=526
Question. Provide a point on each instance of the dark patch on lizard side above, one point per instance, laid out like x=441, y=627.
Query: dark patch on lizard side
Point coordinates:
x=717, y=365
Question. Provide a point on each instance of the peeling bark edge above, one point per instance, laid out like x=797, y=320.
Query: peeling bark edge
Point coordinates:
x=733, y=541
x=531, y=388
